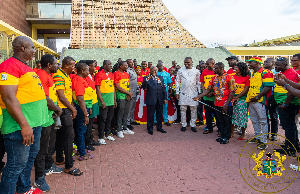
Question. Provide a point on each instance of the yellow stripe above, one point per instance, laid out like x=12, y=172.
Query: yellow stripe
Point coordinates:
x=107, y=86
x=279, y=89
x=52, y=93
x=7, y=79
x=268, y=80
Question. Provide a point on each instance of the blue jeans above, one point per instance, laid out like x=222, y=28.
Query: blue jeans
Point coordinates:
x=80, y=130
x=20, y=159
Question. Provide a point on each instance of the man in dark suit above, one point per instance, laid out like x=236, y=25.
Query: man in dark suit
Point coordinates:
x=156, y=96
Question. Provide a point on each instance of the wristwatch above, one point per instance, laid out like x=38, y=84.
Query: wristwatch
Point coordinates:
x=86, y=115
x=286, y=85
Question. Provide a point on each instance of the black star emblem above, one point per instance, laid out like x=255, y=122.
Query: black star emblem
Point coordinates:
x=269, y=155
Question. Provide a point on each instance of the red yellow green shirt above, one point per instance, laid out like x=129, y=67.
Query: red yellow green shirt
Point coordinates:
x=30, y=95
x=240, y=84
x=91, y=81
x=280, y=94
x=123, y=79
x=81, y=88
x=262, y=78
x=205, y=78
x=50, y=91
x=63, y=82
x=107, y=89
x=222, y=86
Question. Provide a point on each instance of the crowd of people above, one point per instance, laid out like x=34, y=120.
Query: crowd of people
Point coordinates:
x=50, y=108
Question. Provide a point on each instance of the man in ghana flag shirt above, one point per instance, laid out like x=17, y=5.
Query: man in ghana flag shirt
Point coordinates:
x=65, y=135
x=44, y=159
x=261, y=82
x=288, y=106
x=24, y=112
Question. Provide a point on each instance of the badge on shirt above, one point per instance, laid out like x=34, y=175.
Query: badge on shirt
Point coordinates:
x=3, y=77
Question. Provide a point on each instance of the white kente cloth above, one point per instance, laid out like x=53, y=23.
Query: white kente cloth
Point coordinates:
x=188, y=82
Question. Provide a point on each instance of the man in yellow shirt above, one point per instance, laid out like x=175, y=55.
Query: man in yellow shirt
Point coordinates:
x=65, y=135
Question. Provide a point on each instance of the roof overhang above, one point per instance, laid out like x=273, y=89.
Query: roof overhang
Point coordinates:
x=9, y=30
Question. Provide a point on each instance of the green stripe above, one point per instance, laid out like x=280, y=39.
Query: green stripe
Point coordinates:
x=108, y=98
x=1, y=120
x=36, y=114
x=58, y=84
x=88, y=103
x=50, y=120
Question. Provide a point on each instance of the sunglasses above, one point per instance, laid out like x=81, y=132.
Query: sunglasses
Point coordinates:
x=294, y=60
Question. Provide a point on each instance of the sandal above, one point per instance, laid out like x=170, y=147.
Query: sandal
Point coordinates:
x=242, y=138
x=74, y=172
x=206, y=132
x=60, y=163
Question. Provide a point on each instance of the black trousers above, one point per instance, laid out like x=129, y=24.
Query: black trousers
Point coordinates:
x=39, y=163
x=224, y=121
x=2, y=152
x=65, y=138
x=200, y=112
x=150, y=116
x=209, y=112
x=287, y=119
x=89, y=132
x=273, y=111
x=48, y=159
x=104, y=120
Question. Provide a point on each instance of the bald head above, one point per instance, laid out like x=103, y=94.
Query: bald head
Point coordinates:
x=23, y=48
x=153, y=71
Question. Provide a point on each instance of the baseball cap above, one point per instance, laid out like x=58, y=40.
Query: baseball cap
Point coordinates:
x=232, y=57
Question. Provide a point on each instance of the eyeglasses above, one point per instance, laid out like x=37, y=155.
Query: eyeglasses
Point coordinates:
x=294, y=60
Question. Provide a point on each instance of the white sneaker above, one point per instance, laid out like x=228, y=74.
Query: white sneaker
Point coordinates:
x=120, y=134
x=102, y=141
x=110, y=138
x=128, y=131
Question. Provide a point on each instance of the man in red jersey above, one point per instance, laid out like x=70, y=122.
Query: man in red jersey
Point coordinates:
x=205, y=77
x=44, y=159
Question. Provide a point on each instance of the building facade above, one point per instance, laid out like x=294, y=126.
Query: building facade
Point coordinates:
x=127, y=24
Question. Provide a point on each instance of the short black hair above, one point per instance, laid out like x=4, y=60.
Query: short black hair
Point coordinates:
x=297, y=55
x=220, y=64
x=284, y=60
x=67, y=60
x=210, y=59
x=104, y=62
x=80, y=66
x=88, y=62
x=46, y=59
x=243, y=67
x=37, y=62
x=121, y=63
x=188, y=58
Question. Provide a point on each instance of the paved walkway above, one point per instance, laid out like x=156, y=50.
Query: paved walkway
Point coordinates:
x=176, y=162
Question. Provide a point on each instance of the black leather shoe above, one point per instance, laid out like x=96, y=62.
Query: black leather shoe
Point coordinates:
x=168, y=124
x=219, y=139
x=224, y=141
x=161, y=130
x=150, y=132
x=135, y=123
x=130, y=127
x=183, y=129
x=94, y=143
x=194, y=129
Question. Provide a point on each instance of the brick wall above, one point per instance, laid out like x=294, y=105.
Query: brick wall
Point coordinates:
x=13, y=12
